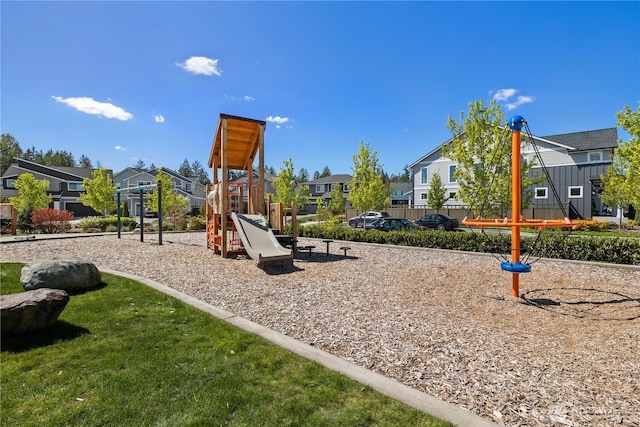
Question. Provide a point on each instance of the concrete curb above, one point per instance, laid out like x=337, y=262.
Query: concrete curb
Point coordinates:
x=380, y=383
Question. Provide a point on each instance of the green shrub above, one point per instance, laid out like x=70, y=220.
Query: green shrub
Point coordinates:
x=90, y=222
x=196, y=223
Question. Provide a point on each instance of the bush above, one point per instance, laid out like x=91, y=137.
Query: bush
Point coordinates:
x=593, y=225
x=196, y=223
x=90, y=222
x=51, y=221
x=125, y=222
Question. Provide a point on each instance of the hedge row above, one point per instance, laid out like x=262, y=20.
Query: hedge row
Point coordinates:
x=103, y=223
x=616, y=250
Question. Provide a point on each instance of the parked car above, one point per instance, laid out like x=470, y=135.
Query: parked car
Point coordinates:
x=299, y=211
x=368, y=217
x=437, y=221
x=390, y=224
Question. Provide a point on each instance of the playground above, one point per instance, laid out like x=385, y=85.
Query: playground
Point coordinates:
x=443, y=323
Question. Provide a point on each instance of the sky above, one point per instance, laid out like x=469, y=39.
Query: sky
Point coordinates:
x=123, y=81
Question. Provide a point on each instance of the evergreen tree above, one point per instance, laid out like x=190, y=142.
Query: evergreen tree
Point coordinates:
x=185, y=169
x=325, y=172
x=9, y=148
x=85, y=162
x=200, y=173
x=303, y=175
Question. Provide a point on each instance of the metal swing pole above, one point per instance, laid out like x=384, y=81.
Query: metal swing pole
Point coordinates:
x=515, y=123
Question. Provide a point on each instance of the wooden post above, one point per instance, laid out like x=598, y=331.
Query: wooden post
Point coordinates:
x=225, y=187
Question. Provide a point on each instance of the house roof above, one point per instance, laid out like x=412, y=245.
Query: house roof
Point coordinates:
x=244, y=138
x=587, y=140
x=64, y=173
x=331, y=179
x=267, y=177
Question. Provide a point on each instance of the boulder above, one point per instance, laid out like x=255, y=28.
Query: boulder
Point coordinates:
x=31, y=310
x=70, y=273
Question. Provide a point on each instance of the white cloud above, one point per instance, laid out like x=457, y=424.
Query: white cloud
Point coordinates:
x=277, y=119
x=119, y=148
x=158, y=118
x=91, y=106
x=249, y=98
x=505, y=96
x=201, y=65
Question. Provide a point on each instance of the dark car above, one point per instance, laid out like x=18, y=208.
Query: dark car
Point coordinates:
x=390, y=224
x=437, y=221
x=368, y=217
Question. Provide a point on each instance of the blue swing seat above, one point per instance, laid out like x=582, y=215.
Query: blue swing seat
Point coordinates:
x=515, y=267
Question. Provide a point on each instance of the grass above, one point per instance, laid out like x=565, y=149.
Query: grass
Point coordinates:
x=125, y=354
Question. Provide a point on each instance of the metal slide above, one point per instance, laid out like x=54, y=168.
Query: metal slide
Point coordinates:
x=258, y=239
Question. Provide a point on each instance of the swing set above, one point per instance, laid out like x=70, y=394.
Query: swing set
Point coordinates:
x=518, y=265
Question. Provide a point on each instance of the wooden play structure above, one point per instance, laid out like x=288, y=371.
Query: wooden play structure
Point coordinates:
x=235, y=211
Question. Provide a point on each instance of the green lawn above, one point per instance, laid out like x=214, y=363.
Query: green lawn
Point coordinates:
x=125, y=354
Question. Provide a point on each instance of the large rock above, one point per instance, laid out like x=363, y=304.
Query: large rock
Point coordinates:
x=31, y=310
x=60, y=272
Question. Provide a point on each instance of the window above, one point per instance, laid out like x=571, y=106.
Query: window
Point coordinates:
x=140, y=183
x=345, y=187
x=595, y=156
x=187, y=186
x=319, y=188
x=452, y=174
x=424, y=175
x=575, y=192
x=11, y=183
x=452, y=195
x=75, y=186
x=423, y=196
x=541, y=193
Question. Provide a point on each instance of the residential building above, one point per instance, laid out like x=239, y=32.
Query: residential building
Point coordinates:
x=268, y=186
x=401, y=193
x=322, y=188
x=575, y=162
x=65, y=184
x=133, y=177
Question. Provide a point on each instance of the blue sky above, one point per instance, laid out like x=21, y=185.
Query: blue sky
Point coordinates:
x=122, y=81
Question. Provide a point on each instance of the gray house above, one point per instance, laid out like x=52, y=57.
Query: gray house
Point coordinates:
x=575, y=162
x=322, y=188
x=65, y=184
x=134, y=177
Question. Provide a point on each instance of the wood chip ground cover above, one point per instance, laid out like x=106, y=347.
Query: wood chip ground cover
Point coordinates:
x=442, y=322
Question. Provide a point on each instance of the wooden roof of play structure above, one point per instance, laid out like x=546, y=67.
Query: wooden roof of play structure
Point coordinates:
x=244, y=137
